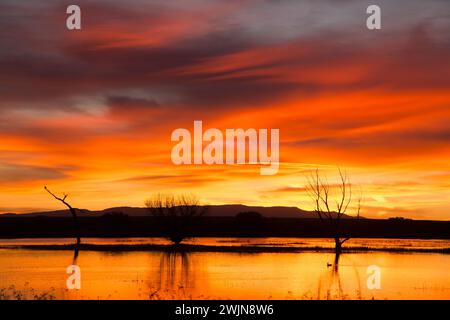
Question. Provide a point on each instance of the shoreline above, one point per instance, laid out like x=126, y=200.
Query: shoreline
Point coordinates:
x=186, y=248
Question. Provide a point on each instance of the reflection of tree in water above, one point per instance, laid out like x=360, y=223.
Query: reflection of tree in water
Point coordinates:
x=174, y=270
x=176, y=277
x=75, y=254
x=332, y=288
x=64, y=292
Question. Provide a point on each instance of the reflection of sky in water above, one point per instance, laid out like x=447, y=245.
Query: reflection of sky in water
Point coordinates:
x=157, y=275
x=269, y=242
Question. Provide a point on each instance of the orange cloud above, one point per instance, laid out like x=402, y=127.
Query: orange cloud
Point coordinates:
x=91, y=113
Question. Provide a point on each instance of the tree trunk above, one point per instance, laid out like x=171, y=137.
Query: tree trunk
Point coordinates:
x=77, y=225
x=338, y=246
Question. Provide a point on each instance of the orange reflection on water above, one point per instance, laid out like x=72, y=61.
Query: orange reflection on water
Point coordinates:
x=176, y=275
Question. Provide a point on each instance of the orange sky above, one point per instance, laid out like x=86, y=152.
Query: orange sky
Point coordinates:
x=91, y=112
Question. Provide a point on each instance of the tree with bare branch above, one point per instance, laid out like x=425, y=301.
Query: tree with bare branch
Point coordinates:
x=331, y=203
x=72, y=211
x=176, y=213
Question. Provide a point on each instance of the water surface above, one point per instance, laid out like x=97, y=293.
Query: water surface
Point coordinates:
x=224, y=275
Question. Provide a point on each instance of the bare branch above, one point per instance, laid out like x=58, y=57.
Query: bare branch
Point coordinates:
x=72, y=211
x=320, y=191
x=176, y=213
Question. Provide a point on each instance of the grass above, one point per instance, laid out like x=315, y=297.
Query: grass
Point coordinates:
x=209, y=248
x=177, y=292
x=27, y=293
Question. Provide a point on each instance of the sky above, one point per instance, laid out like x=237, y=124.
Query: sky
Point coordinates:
x=90, y=112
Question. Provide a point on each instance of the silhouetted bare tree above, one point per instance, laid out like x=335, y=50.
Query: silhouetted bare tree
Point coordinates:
x=176, y=213
x=328, y=212
x=74, y=216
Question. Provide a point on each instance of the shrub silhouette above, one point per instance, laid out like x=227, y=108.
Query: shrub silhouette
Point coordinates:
x=176, y=214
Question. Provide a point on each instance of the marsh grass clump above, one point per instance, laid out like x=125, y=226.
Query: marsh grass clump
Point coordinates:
x=177, y=293
x=27, y=293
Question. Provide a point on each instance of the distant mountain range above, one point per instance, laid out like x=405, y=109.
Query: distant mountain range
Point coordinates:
x=214, y=211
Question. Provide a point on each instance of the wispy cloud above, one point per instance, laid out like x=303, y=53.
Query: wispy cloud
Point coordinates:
x=93, y=110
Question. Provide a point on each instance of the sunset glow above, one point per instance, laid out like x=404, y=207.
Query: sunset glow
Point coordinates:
x=91, y=112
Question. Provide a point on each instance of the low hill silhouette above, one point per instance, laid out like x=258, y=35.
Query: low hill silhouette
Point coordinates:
x=214, y=211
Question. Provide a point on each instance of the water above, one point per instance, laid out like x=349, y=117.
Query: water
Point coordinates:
x=224, y=275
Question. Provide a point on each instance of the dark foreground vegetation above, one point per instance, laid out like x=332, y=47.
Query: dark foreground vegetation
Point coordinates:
x=118, y=225
x=184, y=248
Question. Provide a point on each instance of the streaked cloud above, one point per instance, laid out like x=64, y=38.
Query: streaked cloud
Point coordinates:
x=92, y=111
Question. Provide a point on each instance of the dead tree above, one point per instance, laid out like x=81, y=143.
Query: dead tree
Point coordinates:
x=328, y=212
x=72, y=211
x=176, y=213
